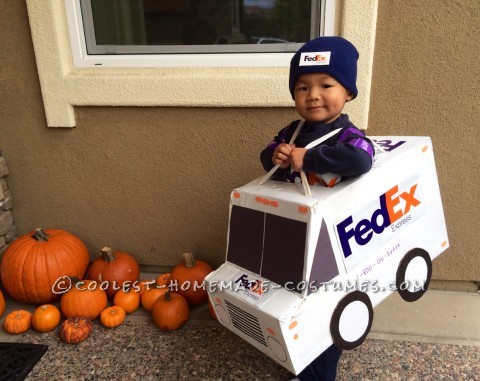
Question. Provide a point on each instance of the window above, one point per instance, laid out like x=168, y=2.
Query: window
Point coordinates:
x=68, y=74
x=268, y=245
x=149, y=32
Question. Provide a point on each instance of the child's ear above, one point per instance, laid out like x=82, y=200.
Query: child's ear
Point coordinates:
x=349, y=96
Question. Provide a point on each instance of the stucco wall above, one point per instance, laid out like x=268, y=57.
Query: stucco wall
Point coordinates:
x=426, y=82
x=156, y=181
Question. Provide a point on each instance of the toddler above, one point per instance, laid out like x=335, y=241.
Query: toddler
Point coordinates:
x=323, y=75
x=322, y=79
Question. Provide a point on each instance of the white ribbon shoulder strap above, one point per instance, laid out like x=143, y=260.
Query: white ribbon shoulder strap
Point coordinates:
x=315, y=143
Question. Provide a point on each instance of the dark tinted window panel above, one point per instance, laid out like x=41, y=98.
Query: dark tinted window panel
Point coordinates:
x=245, y=241
x=284, y=250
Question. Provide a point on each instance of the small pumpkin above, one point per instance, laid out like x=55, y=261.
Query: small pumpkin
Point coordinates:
x=171, y=311
x=128, y=300
x=33, y=264
x=46, y=318
x=18, y=321
x=2, y=304
x=112, y=316
x=117, y=268
x=150, y=296
x=75, y=329
x=85, y=298
x=188, y=279
x=163, y=279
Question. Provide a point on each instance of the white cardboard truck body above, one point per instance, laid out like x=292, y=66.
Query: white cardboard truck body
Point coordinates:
x=304, y=272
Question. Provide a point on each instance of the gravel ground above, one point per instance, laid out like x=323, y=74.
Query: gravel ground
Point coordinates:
x=137, y=350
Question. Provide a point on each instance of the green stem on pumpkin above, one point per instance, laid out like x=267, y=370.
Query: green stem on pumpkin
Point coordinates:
x=167, y=296
x=40, y=235
x=107, y=253
x=189, y=260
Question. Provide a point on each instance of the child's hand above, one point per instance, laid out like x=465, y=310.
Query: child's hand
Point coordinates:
x=296, y=158
x=281, y=155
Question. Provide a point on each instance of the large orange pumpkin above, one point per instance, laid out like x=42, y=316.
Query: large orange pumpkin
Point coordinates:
x=36, y=262
x=85, y=298
x=187, y=279
x=120, y=270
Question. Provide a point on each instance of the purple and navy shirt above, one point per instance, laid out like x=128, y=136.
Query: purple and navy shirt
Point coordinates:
x=349, y=153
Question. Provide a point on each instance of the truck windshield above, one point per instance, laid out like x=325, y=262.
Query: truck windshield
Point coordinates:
x=268, y=245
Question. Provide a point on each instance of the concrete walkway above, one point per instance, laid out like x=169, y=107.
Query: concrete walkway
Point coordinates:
x=445, y=317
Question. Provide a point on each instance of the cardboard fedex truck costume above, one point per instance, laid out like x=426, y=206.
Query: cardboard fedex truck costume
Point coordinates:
x=305, y=271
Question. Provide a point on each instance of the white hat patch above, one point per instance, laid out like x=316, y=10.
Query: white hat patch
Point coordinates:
x=314, y=59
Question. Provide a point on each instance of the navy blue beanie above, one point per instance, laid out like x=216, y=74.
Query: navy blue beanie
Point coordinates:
x=332, y=55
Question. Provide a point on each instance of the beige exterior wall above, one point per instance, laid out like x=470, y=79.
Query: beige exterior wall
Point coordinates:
x=155, y=181
x=426, y=82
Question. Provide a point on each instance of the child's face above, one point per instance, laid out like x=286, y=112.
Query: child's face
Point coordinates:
x=319, y=97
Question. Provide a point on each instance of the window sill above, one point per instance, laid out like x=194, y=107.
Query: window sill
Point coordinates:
x=191, y=87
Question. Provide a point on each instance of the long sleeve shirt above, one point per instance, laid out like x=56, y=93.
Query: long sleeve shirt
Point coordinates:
x=349, y=153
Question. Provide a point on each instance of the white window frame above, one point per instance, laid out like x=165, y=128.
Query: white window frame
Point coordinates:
x=82, y=59
x=234, y=81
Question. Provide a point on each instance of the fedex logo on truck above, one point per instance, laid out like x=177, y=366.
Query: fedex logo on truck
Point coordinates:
x=255, y=286
x=394, y=210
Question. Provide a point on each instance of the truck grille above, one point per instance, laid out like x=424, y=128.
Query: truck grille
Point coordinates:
x=245, y=322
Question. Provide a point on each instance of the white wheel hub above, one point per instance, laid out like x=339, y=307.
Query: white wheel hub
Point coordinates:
x=416, y=275
x=354, y=321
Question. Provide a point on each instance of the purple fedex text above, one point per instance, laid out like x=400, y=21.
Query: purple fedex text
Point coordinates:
x=381, y=218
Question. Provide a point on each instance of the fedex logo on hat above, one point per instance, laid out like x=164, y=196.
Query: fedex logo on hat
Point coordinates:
x=395, y=211
x=314, y=58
